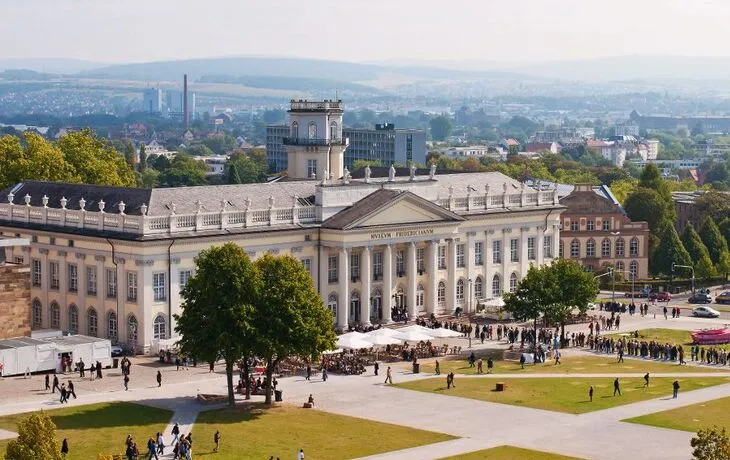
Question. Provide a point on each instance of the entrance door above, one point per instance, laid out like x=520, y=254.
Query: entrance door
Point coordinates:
x=376, y=307
x=355, y=308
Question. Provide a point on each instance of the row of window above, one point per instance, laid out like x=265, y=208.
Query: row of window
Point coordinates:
x=590, y=225
x=575, y=248
x=400, y=258
x=312, y=130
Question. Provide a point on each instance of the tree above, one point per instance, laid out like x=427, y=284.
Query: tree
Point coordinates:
x=714, y=204
x=668, y=250
x=646, y=204
x=577, y=288
x=358, y=164
x=129, y=153
x=290, y=318
x=37, y=160
x=184, y=170
x=233, y=177
x=36, y=439
x=651, y=178
x=149, y=178
x=725, y=229
x=704, y=268
x=695, y=247
x=142, y=158
x=711, y=444
x=199, y=150
x=713, y=239
x=217, y=308
x=94, y=161
x=622, y=188
x=440, y=128
x=249, y=169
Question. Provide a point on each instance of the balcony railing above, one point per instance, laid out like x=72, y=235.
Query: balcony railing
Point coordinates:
x=315, y=105
x=314, y=142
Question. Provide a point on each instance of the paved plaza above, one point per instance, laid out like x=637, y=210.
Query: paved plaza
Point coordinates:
x=477, y=424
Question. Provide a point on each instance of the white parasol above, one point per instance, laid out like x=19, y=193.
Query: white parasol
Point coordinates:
x=382, y=340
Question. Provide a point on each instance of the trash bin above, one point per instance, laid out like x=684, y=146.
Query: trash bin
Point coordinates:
x=277, y=395
x=115, y=363
x=416, y=368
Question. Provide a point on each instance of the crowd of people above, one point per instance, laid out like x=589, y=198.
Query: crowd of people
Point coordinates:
x=182, y=446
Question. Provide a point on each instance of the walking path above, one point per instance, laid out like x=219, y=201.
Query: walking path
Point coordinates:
x=5, y=434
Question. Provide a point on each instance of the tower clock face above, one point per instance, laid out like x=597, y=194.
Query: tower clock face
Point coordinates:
x=312, y=130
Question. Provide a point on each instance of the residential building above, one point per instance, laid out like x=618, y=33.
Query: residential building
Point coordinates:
x=707, y=124
x=666, y=166
x=597, y=232
x=215, y=164
x=15, y=292
x=152, y=100
x=626, y=129
x=688, y=211
x=541, y=147
x=476, y=151
x=425, y=243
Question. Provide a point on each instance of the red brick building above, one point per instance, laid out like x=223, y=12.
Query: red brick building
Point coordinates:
x=15, y=299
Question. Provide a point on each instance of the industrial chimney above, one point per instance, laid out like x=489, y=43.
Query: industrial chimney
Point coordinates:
x=185, y=101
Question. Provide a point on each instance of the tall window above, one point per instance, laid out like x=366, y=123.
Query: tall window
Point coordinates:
x=531, y=248
x=312, y=168
x=334, y=132
x=332, y=269
x=400, y=263
x=442, y=257
x=460, y=248
x=606, y=248
x=159, y=327
x=573, y=225
x=620, y=267
x=575, y=249
x=496, y=286
x=73, y=319
x=132, y=286
x=55, y=314
x=158, y=287
x=547, y=247
x=590, y=225
x=441, y=294
x=478, y=253
x=91, y=280
x=478, y=288
x=312, y=130
x=496, y=252
x=561, y=249
x=295, y=130
x=514, y=250
x=184, y=277
x=132, y=330
x=634, y=247
x=420, y=260
x=355, y=266
x=633, y=270
x=332, y=305
x=92, y=323
x=620, y=247
x=55, y=276
x=307, y=263
x=591, y=248
x=73, y=277
x=377, y=265
x=111, y=326
x=420, y=295
x=460, y=292
x=37, y=315
x=513, y=282
x=606, y=225
x=37, y=272
x=111, y=282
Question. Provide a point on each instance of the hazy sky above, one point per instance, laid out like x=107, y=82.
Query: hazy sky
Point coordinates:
x=361, y=30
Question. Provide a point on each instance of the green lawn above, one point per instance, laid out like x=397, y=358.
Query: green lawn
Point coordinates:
x=100, y=428
x=673, y=336
x=690, y=418
x=581, y=364
x=561, y=394
x=257, y=434
x=509, y=453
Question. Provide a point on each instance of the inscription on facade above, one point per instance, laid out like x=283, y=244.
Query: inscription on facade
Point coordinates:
x=401, y=234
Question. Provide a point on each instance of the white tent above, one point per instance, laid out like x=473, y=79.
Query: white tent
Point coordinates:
x=382, y=340
x=414, y=328
x=496, y=302
x=358, y=335
x=443, y=333
x=352, y=342
x=413, y=336
x=384, y=331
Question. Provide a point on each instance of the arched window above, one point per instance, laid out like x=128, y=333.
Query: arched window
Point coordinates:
x=159, y=327
x=132, y=331
x=376, y=308
x=561, y=249
x=420, y=295
x=442, y=294
x=591, y=248
x=111, y=326
x=606, y=248
x=496, y=286
x=92, y=323
x=355, y=306
x=332, y=305
x=634, y=247
x=55, y=313
x=295, y=130
x=73, y=319
x=312, y=130
x=620, y=267
x=513, y=282
x=460, y=292
x=478, y=288
x=334, y=133
x=620, y=247
x=633, y=270
x=575, y=249
x=37, y=315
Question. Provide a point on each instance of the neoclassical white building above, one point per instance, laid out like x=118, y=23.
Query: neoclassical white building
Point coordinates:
x=110, y=261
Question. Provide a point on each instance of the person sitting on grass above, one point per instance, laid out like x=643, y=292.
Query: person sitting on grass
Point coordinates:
x=311, y=400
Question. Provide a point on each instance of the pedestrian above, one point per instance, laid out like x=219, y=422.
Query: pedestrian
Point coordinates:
x=300, y=455
x=126, y=382
x=438, y=368
x=309, y=372
x=675, y=389
x=64, y=447
x=324, y=374
x=82, y=369
x=216, y=440
x=646, y=380
x=160, y=443
x=522, y=360
x=152, y=449
x=71, y=391
x=451, y=377
x=388, y=378
x=480, y=370
x=26, y=375
x=616, y=387
x=159, y=379
x=557, y=357
x=98, y=370
x=620, y=355
x=177, y=363
x=64, y=396
x=665, y=312
x=175, y=433
x=92, y=371
x=590, y=393
x=490, y=365
x=55, y=383
x=376, y=367
x=48, y=382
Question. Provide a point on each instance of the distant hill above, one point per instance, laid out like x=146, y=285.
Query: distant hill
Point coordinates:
x=49, y=65
x=290, y=83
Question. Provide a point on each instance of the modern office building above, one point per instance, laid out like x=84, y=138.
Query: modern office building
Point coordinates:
x=111, y=261
x=275, y=151
x=152, y=100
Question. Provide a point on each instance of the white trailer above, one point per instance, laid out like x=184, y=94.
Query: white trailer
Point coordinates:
x=81, y=347
x=42, y=355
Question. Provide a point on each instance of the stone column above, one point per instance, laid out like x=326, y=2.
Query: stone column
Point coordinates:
x=322, y=273
x=524, y=260
x=540, y=243
x=469, y=264
x=433, y=277
x=451, y=282
x=343, y=302
x=387, y=283
x=488, y=272
x=506, y=259
x=411, y=269
x=365, y=276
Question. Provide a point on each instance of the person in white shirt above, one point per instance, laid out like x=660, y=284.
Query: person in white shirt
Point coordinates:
x=160, y=444
x=300, y=455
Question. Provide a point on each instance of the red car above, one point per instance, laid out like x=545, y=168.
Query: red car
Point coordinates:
x=663, y=296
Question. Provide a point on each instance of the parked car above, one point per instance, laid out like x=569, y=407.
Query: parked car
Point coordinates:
x=705, y=312
x=723, y=298
x=700, y=297
x=117, y=351
x=663, y=296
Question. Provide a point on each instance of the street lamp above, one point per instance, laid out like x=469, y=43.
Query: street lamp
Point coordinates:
x=693, y=273
x=469, y=306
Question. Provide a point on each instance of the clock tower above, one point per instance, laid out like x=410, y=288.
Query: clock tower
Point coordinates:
x=315, y=145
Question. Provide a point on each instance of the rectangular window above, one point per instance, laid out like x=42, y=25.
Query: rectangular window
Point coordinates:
x=311, y=168
x=91, y=280
x=37, y=272
x=332, y=269
x=307, y=265
x=590, y=225
x=478, y=253
x=355, y=266
x=400, y=263
x=442, y=257
x=184, y=277
x=158, y=286
x=547, y=247
x=111, y=282
x=420, y=260
x=54, y=275
x=132, y=286
x=574, y=226
x=514, y=250
x=531, y=248
x=496, y=252
x=73, y=278
x=460, y=249
x=377, y=265
x=606, y=225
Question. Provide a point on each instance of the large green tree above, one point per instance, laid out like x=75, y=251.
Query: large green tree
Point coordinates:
x=668, y=250
x=725, y=229
x=646, y=204
x=184, y=170
x=36, y=440
x=218, y=308
x=713, y=239
x=697, y=252
x=290, y=318
x=248, y=169
x=94, y=161
x=440, y=127
x=711, y=444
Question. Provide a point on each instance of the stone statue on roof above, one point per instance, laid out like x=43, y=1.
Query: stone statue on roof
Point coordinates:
x=432, y=171
x=391, y=173
x=413, y=171
x=368, y=172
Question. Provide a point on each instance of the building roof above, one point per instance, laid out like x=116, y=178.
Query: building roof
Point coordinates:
x=383, y=171
x=538, y=146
